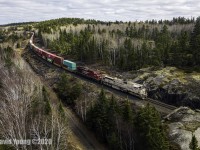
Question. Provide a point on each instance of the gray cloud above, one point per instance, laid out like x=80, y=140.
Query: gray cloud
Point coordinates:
x=37, y=10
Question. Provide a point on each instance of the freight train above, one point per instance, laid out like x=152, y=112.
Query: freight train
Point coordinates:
x=116, y=83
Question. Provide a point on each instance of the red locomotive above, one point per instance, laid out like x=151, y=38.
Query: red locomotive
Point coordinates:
x=89, y=73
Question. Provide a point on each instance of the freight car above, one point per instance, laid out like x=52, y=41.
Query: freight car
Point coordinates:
x=119, y=84
x=69, y=65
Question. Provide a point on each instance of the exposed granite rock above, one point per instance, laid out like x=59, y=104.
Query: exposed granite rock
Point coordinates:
x=172, y=86
x=183, y=122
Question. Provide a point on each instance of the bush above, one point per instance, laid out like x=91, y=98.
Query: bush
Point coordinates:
x=68, y=89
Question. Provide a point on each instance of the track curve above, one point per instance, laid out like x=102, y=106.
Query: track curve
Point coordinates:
x=162, y=107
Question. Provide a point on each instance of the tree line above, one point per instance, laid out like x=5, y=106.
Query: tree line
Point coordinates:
x=135, y=47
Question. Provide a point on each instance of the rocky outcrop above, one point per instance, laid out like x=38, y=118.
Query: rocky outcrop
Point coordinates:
x=172, y=86
x=183, y=122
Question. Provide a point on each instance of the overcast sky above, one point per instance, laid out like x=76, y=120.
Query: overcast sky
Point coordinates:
x=126, y=10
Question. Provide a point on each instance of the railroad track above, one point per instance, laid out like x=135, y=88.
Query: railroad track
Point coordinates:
x=161, y=104
x=166, y=108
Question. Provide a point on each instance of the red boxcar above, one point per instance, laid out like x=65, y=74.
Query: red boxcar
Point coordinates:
x=37, y=50
x=52, y=58
x=89, y=73
x=48, y=56
x=44, y=54
x=58, y=60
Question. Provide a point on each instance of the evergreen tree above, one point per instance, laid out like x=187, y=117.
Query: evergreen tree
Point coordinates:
x=75, y=92
x=155, y=57
x=184, y=42
x=163, y=43
x=122, y=58
x=149, y=130
x=195, y=42
x=63, y=85
x=155, y=33
x=103, y=116
x=144, y=55
x=131, y=59
x=98, y=117
x=194, y=143
x=113, y=110
x=47, y=106
x=127, y=112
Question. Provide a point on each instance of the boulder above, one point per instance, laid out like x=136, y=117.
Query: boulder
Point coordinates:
x=183, y=123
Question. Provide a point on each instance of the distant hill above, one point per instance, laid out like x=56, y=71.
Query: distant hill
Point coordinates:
x=17, y=24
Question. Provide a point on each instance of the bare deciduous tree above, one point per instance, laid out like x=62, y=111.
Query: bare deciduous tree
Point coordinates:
x=21, y=109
